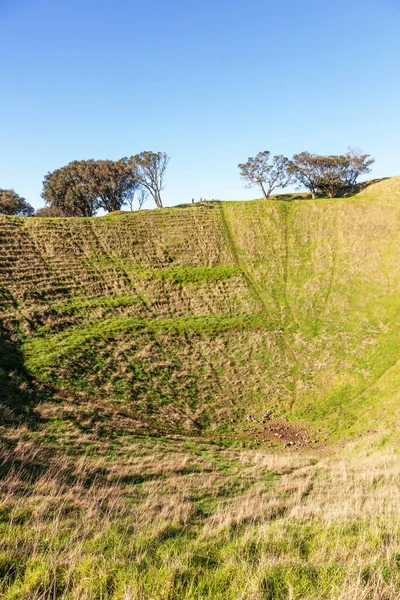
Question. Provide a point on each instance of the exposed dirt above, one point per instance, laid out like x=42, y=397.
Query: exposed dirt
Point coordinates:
x=272, y=430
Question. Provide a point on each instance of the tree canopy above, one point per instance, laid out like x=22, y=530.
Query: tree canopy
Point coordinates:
x=332, y=175
x=82, y=187
x=149, y=168
x=13, y=204
x=268, y=174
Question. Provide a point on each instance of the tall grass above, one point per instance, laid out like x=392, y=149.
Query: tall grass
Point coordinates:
x=167, y=520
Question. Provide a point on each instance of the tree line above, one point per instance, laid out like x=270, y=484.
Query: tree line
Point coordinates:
x=333, y=175
x=83, y=187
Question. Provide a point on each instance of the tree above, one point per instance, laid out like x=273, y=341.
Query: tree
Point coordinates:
x=13, y=204
x=68, y=189
x=149, y=168
x=358, y=164
x=142, y=197
x=82, y=187
x=333, y=175
x=268, y=175
x=113, y=183
x=304, y=169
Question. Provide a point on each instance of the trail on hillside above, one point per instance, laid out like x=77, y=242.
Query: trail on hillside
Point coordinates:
x=282, y=258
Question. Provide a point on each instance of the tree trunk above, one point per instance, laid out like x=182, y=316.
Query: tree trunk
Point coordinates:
x=266, y=196
x=158, y=201
x=156, y=197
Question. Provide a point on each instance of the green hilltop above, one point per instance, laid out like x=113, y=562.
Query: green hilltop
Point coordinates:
x=201, y=318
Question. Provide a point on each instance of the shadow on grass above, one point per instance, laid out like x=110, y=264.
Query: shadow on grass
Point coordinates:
x=18, y=392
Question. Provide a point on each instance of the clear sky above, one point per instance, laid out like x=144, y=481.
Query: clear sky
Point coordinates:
x=210, y=82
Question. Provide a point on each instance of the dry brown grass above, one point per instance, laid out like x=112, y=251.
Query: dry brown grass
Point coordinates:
x=164, y=521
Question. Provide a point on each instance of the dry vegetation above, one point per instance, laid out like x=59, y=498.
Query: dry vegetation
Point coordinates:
x=155, y=518
x=153, y=368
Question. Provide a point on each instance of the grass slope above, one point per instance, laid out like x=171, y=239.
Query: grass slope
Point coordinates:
x=284, y=306
x=127, y=518
x=139, y=353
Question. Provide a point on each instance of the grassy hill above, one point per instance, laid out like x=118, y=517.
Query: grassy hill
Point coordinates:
x=196, y=318
x=155, y=366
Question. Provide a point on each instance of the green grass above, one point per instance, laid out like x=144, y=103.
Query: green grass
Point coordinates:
x=192, y=274
x=139, y=355
x=77, y=305
x=169, y=521
x=199, y=286
x=43, y=351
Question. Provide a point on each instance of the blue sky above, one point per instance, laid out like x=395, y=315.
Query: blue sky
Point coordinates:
x=210, y=82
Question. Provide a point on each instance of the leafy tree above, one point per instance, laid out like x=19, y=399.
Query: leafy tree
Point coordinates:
x=149, y=168
x=68, y=189
x=82, y=187
x=358, y=164
x=304, y=169
x=333, y=175
x=113, y=183
x=13, y=204
x=269, y=175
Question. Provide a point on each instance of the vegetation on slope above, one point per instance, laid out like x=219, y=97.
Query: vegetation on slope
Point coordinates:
x=148, y=363
x=87, y=516
x=290, y=307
